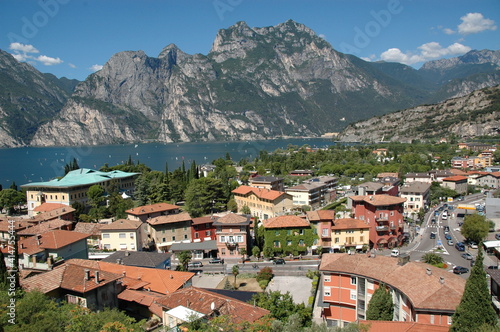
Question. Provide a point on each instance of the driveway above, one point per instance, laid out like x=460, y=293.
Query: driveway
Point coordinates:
x=299, y=287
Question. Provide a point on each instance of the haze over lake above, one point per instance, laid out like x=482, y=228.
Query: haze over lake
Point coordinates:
x=29, y=164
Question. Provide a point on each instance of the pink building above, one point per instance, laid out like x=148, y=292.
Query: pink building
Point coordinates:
x=233, y=234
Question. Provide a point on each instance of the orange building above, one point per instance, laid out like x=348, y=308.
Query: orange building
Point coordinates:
x=421, y=292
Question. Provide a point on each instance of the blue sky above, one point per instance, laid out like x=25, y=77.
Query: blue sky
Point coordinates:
x=73, y=38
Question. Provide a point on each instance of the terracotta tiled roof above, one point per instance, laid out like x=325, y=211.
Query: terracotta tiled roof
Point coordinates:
x=50, y=240
x=52, y=214
x=145, y=209
x=169, y=219
x=457, y=171
x=349, y=223
x=232, y=219
x=157, y=280
x=379, y=200
x=455, y=178
x=415, y=187
x=46, y=226
x=429, y=293
x=18, y=225
x=319, y=215
x=204, y=220
x=70, y=277
x=391, y=326
x=259, y=192
x=122, y=224
x=46, y=207
x=285, y=222
x=88, y=228
x=201, y=301
x=141, y=297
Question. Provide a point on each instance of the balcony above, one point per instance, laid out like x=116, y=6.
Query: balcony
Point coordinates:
x=382, y=218
x=231, y=244
x=382, y=228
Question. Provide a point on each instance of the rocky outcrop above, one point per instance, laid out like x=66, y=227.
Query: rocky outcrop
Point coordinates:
x=476, y=114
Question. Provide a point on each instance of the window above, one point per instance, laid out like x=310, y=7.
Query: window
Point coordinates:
x=337, y=240
x=105, y=235
x=327, y=291
x=277, y=244
x=324, y=232
x=173, y=238
x=289, y=243
x=222, y=238
x=301, y=243
x=132, y=235
x=107, y=246
x=123, y=246
x=208, y=233
x=337, y=231
x=185, y=236
x=353, y=295
x=242, y=228
x=196, y=235
x=122, y=235
x=350, y=231
x=301, y=232
x=277, y=233
x=353, y=280
x=327, y=279
x=289, y=232
x=223, y=251
x=450, y=320
x=239, y=239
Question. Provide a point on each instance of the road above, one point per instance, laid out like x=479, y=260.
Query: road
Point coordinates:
x=424, y=243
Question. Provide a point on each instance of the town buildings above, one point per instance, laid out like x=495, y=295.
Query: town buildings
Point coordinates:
x=457, y=183
x=233, y=235
x=145, y=212
x=267, y=182
x=384, y=215
x=73, y=187
x=263, y=203
x=349, y=234
x=123, y=234
x=315, y=192
x=417, y=195
x=421, y=292
x=288, y=235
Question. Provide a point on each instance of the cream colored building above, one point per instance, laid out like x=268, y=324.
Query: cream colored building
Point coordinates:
x=263, y=203
x=73, y=187
x=169, y=229
x=123, y=234
x=350, y=234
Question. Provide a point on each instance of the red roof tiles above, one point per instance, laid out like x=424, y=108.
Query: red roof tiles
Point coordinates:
x=259, y=192
x=145, y=209
x=287, y=221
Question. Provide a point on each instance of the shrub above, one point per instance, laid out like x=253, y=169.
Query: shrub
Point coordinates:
x=263, y=283
x=266, y=273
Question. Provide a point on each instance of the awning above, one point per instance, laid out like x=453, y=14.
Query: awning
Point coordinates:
x=205, y=245
x=359, y=246
x=336, y=247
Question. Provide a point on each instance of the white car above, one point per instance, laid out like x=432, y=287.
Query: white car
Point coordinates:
x=395, y=253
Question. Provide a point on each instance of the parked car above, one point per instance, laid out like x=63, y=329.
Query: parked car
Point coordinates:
x=446, y=228
x=195, y=264
x=497, y=236
x=279, y=261
x=450, y=242
x=447, y=236
x=473, y=245
x=216, y=261
x=460, y=246
x=433, y=235
x=460, y=270
x=395, y=253
x=467, y=256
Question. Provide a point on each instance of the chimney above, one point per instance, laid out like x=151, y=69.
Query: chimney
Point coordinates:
x=96, y=276
x=87, y=274
x=429, y=272
x=38, y=237
x=171, y=276
x=127, y=253
x=441, y=280
x=118, y=261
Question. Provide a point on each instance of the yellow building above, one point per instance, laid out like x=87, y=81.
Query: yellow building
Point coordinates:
x=263, y=203
x=123, y=234
x=350, y=234
x=73, y=187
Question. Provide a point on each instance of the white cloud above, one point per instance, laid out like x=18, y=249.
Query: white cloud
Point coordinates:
x=426, y=52
x=95, y=67
x=48, y=61
x=449, y=31
x=71, y=65
x=474, y=23
x=18, y=47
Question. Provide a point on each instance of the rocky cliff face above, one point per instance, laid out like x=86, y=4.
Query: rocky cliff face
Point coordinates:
x=27, y=99
x=475, y=114
x=255, y=83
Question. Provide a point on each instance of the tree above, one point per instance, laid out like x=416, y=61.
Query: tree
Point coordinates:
x=235, y=271
x=282, y=306
x=10, y=198
x=475, y=309
x=202, y=194
x=433, y=259
x=245, y=210
x=95, y=195
x=243, y=253
x=118, y=205
x=184, y=258
x=475, y=227
x=71, y=166
x=232, y=205
x=256, y=252
x=381, y=306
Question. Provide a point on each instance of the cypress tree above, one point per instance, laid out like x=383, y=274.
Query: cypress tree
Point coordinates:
x=381, y=306
x=475, y=310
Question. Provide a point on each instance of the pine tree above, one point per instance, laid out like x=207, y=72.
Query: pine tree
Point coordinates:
x=475, y=309
x=381, y=306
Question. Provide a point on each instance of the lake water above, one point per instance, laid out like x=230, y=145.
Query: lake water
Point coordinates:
x=28, y=164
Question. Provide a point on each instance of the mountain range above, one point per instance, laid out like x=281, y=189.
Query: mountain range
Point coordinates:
x=255, y=83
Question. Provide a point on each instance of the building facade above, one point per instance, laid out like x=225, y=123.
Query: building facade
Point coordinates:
x=73, y=187
x=145, y=212
x=123, y=234
x=233, y=235
x=418, y=196
x=166, y=230
x=349, y=234
x=348, y=283
x=384, y=215
x=288, y=235
x=263, y=203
